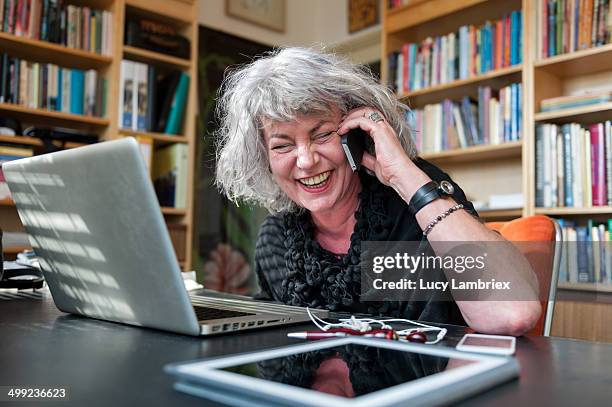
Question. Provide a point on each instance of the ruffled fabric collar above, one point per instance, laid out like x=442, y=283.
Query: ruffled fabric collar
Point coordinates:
x=318, y=278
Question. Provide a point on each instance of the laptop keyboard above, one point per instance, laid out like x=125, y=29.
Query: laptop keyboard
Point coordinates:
x=205, y=313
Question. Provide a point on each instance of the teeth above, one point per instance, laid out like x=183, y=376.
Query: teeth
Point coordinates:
x=317, y=179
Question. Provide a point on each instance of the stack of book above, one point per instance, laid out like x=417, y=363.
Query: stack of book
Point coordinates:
x=142, y=108
x=10, y=153
x=494, y=118
x=458, y=55
x=170, y=169
x=574, y=101
x=570, y=25
x=52, y=20
x=49, y=86
x=574, y=165
x=587, y=252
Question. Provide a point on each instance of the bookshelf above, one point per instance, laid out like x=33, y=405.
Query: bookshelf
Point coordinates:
x=181, y=16
x=36, y=114
x=586, y=114
x=477, y=153
x=44, y=51
x=151, y=57
x=503, y=163
x=510, y=167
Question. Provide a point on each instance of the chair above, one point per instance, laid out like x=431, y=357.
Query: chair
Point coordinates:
x=545, y=265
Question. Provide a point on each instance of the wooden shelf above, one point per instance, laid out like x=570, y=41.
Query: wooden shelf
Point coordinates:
x=180, y=16
x=456, y=89
x=403, y=8
x=154, y=58
x=158, y=138
x=32, y=141
x=7, y=202
x=43, y=51
x=586, y=114
x=31, y=113
x=596, y=210
x=577, y=63
x=421, y=11
x=600, y=288
x=15, y=249
x=462, y=82
x=174, y=12
x=491, y=214
x=173, y=211
x=477, y=153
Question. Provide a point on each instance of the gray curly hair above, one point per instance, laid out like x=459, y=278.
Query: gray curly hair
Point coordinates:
x=279, y=86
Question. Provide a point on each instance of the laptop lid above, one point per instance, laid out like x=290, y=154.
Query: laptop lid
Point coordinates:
x=95, y=222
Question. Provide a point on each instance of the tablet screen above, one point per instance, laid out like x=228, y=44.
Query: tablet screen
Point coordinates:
x=350, y=370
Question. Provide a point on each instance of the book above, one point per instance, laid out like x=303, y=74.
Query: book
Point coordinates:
x=164, y=101
x=608, y=151
x=584, y=101
x=583, y=252
x=573, y=165
x=77, y=87
x=469, y=51
x=139, y=97
x=126, y=93
x=170, y=168
x=151, y=112
x=598, y=167
x=146, y=149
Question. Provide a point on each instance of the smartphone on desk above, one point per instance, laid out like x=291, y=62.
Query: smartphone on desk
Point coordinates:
x=354, y=143
x=491, y=344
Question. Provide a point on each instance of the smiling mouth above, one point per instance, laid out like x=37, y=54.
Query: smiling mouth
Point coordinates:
x=317, y=181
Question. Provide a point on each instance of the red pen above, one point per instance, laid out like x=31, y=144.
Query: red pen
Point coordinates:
x=343, y=332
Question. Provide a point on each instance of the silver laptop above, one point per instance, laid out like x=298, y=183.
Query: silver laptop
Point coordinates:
x=94, y=220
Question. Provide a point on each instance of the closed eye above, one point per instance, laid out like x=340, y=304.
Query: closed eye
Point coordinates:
x=282, y=148
x=323, y=136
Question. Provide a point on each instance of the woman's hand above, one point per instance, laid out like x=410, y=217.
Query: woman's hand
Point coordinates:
x=391, y=163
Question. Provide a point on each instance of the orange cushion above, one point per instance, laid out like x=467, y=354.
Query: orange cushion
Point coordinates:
x=531, y=228
x=540, y=256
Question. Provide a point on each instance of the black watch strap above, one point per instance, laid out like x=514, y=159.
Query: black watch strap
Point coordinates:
x=424, y=195
x=429, y=193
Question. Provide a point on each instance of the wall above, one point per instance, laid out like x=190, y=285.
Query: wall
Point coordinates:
x=308, y=23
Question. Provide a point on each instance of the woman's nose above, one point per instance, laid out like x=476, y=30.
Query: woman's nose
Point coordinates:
x=307, y=157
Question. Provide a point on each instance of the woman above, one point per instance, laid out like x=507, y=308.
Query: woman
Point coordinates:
x=282, y=118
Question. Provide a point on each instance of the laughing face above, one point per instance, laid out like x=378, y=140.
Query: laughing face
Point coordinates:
x=308, y=163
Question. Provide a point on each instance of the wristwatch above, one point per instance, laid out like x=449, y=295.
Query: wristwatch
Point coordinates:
x=429, y=193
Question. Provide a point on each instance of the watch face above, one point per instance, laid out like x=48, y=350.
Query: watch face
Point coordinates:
x=447, y=188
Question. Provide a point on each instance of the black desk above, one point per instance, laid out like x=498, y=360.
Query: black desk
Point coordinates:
x=111, y=364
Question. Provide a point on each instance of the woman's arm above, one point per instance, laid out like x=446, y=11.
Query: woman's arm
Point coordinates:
x=394, y=168
x=511, y=317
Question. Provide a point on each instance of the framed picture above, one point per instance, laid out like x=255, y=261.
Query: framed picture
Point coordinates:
x=265, y=13
x=362, y=14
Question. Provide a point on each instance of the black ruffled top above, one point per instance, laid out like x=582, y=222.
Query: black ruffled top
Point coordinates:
x=294, y=269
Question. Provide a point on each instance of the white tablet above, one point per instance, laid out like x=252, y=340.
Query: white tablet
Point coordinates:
x=344, y=372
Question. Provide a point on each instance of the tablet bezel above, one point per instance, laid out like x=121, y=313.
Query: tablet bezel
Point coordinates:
x=196, y=373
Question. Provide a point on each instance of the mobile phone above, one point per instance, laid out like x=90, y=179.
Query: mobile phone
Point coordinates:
x=354, y=143
x=493, y=344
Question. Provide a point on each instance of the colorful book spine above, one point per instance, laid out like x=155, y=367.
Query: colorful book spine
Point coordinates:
x=598, y=169
x=177, y=109
x=472, y=50
x=583, y=168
